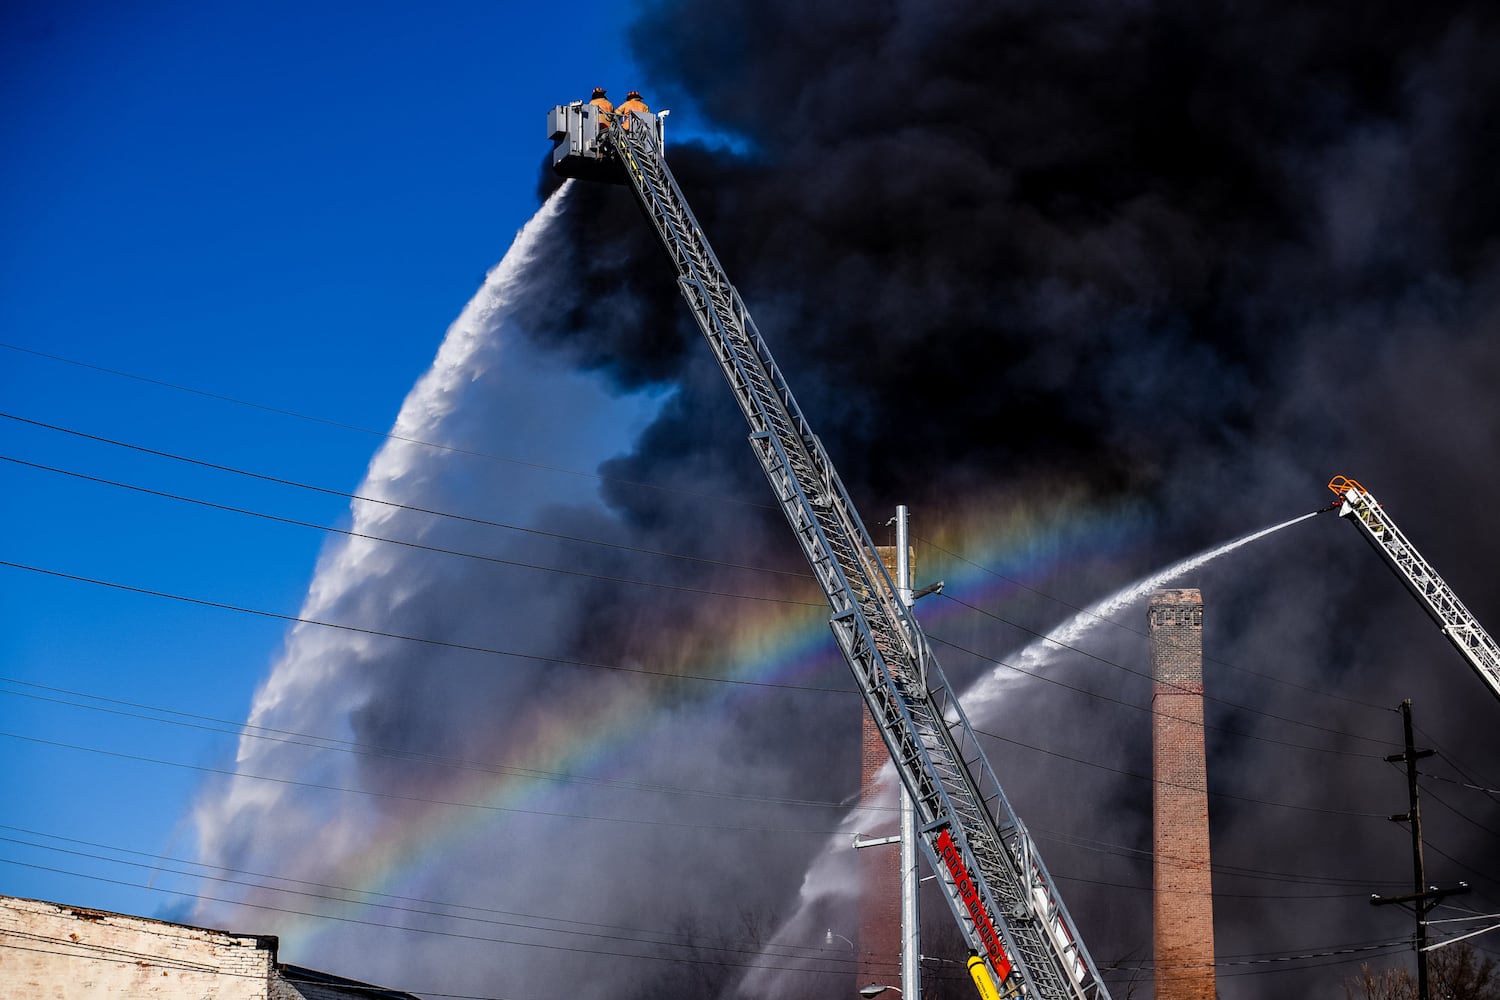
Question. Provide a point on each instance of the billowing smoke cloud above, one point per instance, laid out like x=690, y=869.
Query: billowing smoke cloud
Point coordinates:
x=1199, y=257
x=1158, y=268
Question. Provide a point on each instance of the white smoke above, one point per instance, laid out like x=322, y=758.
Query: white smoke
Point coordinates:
x=1106, y=611
x=315, y=680
x=486, y=391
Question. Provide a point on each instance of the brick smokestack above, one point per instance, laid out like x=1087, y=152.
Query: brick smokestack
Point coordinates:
x=1184, y=916
x=879, y=935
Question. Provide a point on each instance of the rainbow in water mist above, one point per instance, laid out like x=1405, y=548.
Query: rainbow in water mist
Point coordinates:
x=1030, y=536
x=768, y=647
x=829, y=877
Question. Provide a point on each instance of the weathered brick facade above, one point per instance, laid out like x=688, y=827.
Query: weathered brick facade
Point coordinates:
x=880, y=873
x=1184, y=920
x=53, y=952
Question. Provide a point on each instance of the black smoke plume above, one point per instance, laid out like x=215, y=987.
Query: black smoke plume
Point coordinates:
x=1192, y=257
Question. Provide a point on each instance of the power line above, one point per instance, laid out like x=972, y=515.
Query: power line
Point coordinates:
x=834, y=960
x=328, y=491
x=1347, y=952
x=389, y=436
x=1170, y=784
x=1148, y=711
x=595, y=576
x=1488, y=792
x=201, y=602
x=1220, y=869
x=501, y=561
x=578, y=928
x=399, y=797
x=316, y=742
x=1461, y=814
x=1140, y=673
x=348, y=533
x=1137, y=632
x=312, y=741
x=331, y=886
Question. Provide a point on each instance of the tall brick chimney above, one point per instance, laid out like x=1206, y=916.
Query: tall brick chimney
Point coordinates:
x=1184, y=915
x=880, y=872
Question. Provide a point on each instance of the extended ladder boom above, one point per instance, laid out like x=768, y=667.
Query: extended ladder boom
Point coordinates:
x=1461, y=627
x=1000, y=892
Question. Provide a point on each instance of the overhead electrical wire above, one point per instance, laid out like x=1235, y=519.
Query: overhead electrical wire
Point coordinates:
x=1142, y=674
x=1348, y=952
x=390, y=436
x=490, y=456
x=348, y=533
x=683, y=676
x=577, y=928
x=1062, y=839
x=498, y=560
x=399, y=797
x=1361, y=892
x=395, y=505
x=1434, y=796
x=1486, y=786
x=442, y=514
x=1212, y=792
x=1308, y=689
x=286, y=736
x=1266, y=676
x=281, y=616
x=315, y=742
x=834, y=962
x=1147, y=710
x=569, y=922
x=674, y=587
x=1489, y=793
x=445, y=643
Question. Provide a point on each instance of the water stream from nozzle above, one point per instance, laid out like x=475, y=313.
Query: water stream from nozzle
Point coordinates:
x=832, y=872
x=1076, y=627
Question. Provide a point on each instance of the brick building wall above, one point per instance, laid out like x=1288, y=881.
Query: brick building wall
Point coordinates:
x=54, y=952
x=1183, y=898
x=49, y=951
x=879, y=937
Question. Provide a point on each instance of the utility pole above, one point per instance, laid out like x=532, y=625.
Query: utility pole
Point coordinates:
x=911, y=945
x=911, y=942
x=1422, y=897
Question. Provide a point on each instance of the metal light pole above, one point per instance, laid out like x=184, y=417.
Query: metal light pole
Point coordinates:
x=911, y=946
x=911, y=937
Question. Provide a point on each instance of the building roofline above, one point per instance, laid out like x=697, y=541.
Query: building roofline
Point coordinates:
x=264, y=942
x=298, y=974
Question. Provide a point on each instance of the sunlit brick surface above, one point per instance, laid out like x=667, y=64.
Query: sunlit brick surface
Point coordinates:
x=1183, y=880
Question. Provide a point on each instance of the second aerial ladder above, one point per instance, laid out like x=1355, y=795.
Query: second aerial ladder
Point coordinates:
x=1457, y=623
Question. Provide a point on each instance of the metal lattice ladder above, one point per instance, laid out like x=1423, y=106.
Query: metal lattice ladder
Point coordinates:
x=1000, y=892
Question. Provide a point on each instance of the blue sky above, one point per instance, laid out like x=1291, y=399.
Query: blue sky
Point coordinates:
x=285, y=204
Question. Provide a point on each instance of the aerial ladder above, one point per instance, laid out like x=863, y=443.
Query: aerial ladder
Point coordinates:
x=1001, y=894
x=1460, y=626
